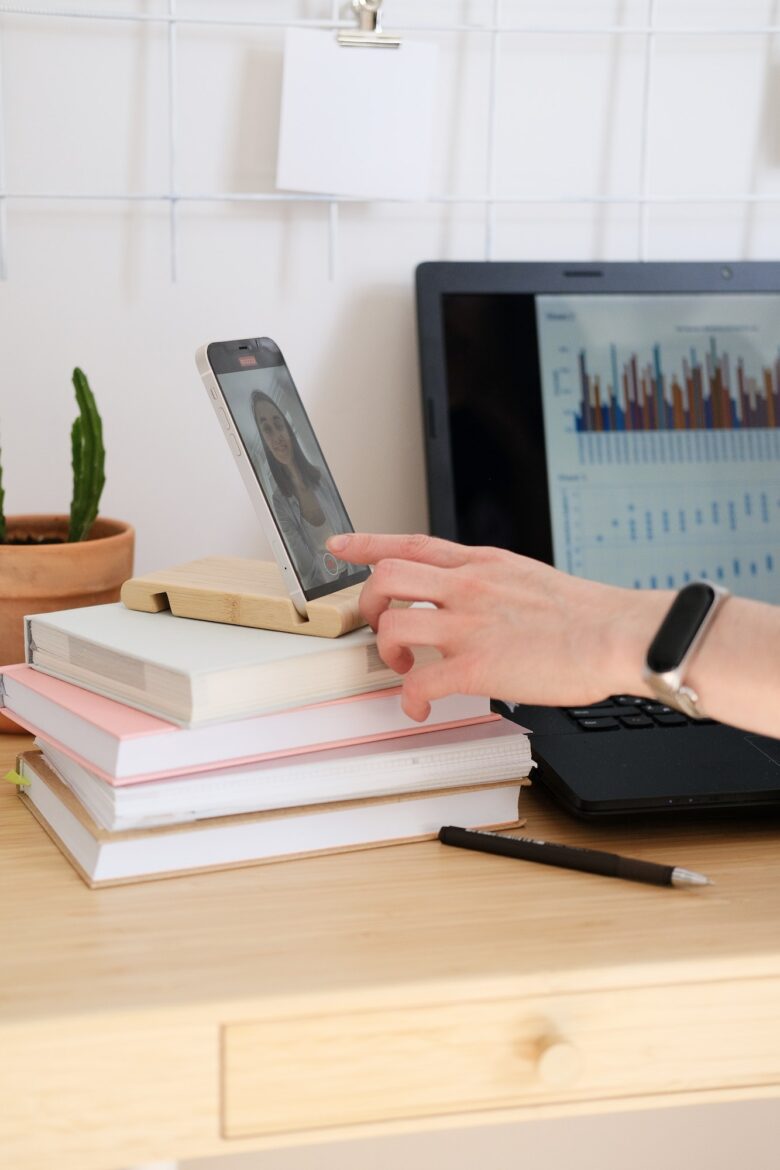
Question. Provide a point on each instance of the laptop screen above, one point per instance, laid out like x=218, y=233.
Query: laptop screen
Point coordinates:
x=631, y=438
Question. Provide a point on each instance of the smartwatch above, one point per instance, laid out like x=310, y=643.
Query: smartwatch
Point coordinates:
x=677, y=640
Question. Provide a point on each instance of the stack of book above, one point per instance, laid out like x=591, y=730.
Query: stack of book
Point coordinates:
x=166, y=745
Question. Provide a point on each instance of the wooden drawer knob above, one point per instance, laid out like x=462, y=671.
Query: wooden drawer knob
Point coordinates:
x=559, y=1063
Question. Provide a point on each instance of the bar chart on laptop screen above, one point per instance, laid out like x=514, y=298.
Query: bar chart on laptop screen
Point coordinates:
x=662, y=432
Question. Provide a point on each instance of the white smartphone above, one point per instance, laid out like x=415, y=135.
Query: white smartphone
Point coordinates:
x=281, y=463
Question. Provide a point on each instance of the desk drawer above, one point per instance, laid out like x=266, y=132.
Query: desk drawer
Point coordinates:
x=376, y=1066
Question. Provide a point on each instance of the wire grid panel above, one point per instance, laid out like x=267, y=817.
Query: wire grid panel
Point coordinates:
x=494, y=29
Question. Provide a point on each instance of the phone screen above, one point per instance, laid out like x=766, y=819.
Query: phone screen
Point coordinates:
x=286, y=459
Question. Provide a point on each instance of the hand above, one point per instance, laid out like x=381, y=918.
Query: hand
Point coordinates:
x=506, y=626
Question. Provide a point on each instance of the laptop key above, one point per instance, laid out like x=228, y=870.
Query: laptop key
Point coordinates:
x=627, y=700
x=598, y=724
x=592, y=712
x=673, y=719
x=636, y=721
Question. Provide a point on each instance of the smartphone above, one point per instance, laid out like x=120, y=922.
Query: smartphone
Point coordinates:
x=281, y=462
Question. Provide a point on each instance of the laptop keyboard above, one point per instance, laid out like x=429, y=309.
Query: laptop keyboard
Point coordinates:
x=628, y=713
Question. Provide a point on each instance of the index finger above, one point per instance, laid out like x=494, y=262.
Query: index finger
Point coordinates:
x=362, y=548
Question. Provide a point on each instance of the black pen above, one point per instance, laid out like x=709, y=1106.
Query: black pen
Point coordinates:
x=572, y=857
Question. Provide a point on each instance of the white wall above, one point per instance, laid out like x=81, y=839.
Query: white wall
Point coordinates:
x=84, y=108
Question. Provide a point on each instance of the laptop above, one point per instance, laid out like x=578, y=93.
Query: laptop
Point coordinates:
x=622, y=422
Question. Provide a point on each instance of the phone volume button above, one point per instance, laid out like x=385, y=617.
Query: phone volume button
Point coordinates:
x=235, y=446
x=223, y=418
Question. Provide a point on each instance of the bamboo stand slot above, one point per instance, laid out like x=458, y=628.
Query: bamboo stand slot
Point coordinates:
x=241, y=592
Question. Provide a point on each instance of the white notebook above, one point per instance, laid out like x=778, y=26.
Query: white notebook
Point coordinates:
x=194, y=672
x=103, y=858
x=463, y=756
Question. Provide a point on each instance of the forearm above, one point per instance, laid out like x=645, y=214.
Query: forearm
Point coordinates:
x=736, y=672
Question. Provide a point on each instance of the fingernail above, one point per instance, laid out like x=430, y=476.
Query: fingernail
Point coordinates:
x=338, y=543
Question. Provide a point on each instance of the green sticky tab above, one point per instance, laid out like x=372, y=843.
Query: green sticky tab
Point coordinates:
x=15, y=778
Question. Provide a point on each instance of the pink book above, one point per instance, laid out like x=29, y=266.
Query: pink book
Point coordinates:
x=125, y=746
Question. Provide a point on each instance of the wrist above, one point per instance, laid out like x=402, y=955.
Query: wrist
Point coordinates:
x=636, y=622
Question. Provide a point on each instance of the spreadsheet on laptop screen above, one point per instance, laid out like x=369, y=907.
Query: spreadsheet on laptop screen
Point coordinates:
x=662, y=437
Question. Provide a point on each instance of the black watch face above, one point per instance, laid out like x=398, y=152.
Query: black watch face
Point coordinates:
x=679, y=627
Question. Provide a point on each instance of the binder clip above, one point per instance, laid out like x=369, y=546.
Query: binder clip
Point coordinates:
x=368, y=34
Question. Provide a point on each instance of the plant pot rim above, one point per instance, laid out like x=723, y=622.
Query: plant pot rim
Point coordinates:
x=42, y=523
x=44, y=572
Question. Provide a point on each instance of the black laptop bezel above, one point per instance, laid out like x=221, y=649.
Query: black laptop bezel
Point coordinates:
x=435, y=280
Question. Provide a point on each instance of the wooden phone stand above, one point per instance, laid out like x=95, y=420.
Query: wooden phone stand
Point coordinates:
x=241, y=593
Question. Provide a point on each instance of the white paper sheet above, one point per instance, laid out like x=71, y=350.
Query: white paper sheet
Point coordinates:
x=356, y=121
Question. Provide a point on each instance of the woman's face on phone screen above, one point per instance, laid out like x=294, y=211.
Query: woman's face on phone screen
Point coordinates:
x=274, y=429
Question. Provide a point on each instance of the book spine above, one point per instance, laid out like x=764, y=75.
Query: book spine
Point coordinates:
x=29, y=645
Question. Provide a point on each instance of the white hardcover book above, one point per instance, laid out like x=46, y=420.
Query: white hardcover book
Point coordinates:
x=103, y=858
x=192, y=672
x=459, y=757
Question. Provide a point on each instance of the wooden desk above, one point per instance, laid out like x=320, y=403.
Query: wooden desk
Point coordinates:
x=412, y=987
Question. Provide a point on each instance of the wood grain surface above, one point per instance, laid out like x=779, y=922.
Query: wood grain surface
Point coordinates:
x=145, y=1022
x=241, y=592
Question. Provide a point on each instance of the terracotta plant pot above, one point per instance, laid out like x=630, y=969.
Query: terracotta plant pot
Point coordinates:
x=39, y=577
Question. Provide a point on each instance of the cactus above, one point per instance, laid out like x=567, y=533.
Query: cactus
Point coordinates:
x=88, y=459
